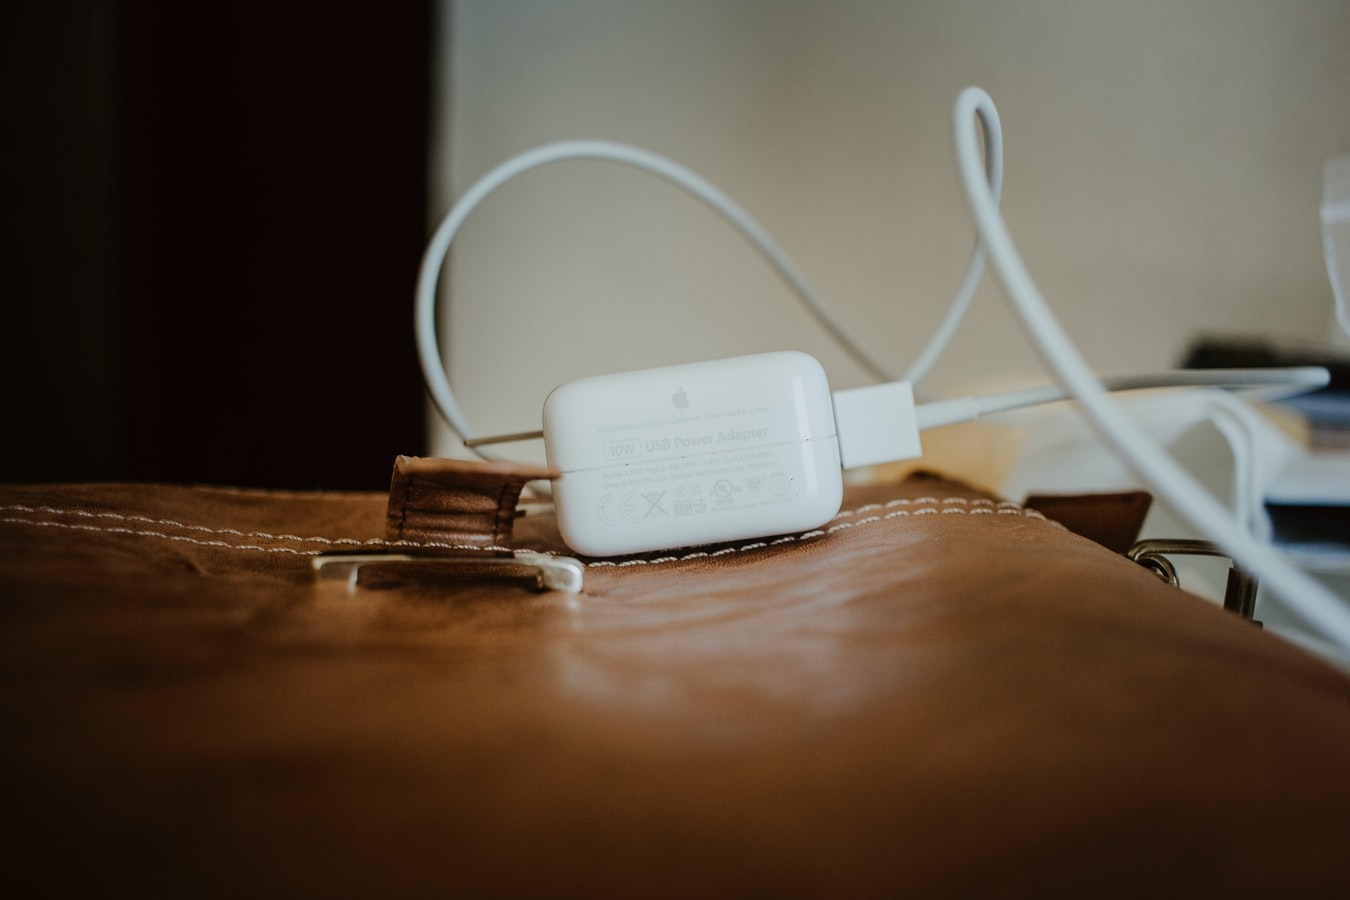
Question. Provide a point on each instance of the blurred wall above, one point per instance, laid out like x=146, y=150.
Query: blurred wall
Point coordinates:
x=1164, y=166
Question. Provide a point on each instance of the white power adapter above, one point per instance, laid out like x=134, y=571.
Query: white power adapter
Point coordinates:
x=715, y=451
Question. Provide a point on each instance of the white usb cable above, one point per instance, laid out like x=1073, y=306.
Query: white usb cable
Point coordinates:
x=1318, y=608
x=433, y=260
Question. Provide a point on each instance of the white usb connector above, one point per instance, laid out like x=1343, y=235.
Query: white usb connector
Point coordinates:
x=876, y=424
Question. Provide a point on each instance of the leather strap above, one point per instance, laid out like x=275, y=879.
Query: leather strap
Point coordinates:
x=1112, y=520
x=456, y=502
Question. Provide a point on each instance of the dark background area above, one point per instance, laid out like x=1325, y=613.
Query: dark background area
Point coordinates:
x=214, y=217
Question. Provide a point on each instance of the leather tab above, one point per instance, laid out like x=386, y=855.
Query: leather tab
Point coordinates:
x=456, y=502
x=1112, y=520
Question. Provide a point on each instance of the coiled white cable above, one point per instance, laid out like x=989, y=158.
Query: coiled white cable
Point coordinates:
x=992, y=131
x=433, y=259
x=428, y=346
x=1307, y=600
x=1266, y=383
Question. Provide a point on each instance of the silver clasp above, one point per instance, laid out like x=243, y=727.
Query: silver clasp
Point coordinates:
x=1239, y=594
x=552, y=573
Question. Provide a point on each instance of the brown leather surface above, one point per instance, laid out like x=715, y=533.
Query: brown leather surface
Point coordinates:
x=1113, y=519
x=934, y=695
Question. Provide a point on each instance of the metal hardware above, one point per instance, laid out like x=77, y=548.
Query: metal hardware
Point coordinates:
x=1239, y=594
x=552, y=573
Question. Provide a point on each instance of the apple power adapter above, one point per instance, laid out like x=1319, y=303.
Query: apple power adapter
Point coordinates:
x=715, y=451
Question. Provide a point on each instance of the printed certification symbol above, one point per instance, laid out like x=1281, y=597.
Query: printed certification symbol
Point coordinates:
x=629, y=507
x=606, y=511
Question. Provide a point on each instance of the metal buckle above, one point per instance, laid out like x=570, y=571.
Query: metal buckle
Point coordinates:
x=1239, y=594
x=552, y=573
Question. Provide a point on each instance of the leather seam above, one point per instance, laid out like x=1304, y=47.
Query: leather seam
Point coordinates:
x=1009, y=509
x=170, y=523
x=934, y=506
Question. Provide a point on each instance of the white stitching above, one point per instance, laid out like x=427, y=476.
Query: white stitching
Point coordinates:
x=159, y=534
x=170, y=523
x=437, y=545
x=928, y=501
x=944, y=506
x=1004, y=508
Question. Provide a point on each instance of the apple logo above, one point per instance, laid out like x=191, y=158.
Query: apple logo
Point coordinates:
x=680, y=398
